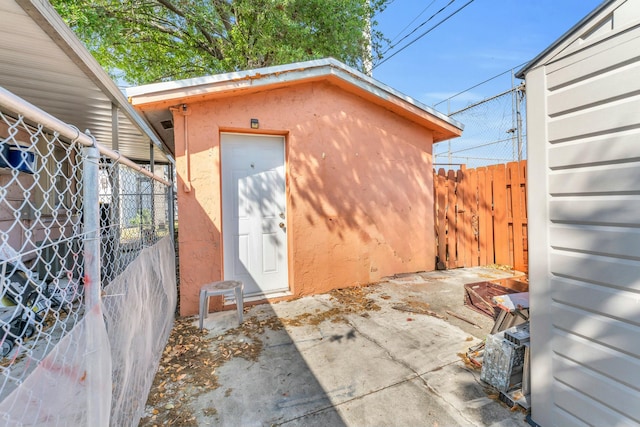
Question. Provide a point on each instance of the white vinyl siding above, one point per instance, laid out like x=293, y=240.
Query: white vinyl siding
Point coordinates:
x=584, y=165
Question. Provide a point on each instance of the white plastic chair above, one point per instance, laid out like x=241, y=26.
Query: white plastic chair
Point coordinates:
x=224, y=287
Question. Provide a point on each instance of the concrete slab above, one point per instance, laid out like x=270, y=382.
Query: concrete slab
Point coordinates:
x=343, y=359
x=408, y=403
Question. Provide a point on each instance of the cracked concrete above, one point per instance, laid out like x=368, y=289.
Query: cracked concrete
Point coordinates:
x=373, y=368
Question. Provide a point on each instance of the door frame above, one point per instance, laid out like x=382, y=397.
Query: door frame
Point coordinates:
x=285, y=145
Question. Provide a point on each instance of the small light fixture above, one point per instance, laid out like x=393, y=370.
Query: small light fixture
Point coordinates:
x=255, y=124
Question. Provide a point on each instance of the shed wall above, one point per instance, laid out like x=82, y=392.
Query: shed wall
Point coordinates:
x=583, y=109
x=359, y=182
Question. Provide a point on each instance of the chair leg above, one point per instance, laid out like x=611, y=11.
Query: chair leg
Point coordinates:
x=203, y=308
x=239, y=302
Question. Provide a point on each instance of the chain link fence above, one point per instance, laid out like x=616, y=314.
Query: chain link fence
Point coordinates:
x=87, y=274
x=494, y=133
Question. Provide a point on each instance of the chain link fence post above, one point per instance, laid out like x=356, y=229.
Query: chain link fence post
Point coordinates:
x=493, y=133
x=98, y=366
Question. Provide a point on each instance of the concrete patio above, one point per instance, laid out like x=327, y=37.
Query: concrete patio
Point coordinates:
x=357, y=357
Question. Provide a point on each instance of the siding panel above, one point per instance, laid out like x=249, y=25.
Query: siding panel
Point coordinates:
x=564, y=419
x=599, y=388
x=602, y=179
x=604, y=118
x=603, y=210
x=610, y=85
x=607, y=241
x=600, y=299
x=601, y=329
x=617, y=147
x=607, y=55
x=619, y=366
x=596, y=269
x=585, y=410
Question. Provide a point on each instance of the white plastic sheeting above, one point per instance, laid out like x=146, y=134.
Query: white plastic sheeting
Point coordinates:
x=101, y=372
x=139, y=308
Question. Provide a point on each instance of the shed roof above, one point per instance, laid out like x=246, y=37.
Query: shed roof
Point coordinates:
x=43, y=62
x=154, y=100
x=570, y=34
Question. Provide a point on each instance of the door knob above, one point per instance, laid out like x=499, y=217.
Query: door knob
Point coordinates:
x=282, y=215
x=281, y=225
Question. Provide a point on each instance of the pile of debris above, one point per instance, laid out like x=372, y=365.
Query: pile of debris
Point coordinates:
x=504, y=356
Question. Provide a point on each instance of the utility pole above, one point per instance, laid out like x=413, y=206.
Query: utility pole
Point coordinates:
x=519, y=97
x=449, y=113
x=367, y=54
x=514, y=118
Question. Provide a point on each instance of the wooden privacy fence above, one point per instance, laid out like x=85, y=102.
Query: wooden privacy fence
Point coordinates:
x=481, y=216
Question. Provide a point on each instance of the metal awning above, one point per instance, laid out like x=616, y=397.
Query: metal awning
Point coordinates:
x=42, y=61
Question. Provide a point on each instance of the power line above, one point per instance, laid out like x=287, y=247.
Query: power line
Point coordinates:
x=421, y=35
x=412, y=21
x=418, y=27
x=479, y=84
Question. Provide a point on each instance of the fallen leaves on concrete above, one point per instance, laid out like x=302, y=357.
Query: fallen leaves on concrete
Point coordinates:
x=354, y=300
x=187, y=367
x=189, y=362
x=418, y=307
x=314, y=319
x=500, y=267
x=351, y=301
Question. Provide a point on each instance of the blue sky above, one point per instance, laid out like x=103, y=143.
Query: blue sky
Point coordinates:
x=484, y=39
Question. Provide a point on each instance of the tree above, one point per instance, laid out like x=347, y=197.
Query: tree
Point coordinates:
x=143, y=217
x=144, y=41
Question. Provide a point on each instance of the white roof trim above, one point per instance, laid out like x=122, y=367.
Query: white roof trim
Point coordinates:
x=277, y=74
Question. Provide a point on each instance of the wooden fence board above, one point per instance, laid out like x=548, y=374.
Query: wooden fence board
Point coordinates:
x=516, y=176
x=500, y=224
x=516, y=198
x=473, y=205
x=483, y=212
x=441, y=213
x=461, y=219
x=481, y=216
x=488, y=202
x=451, y=219
x=525, y=226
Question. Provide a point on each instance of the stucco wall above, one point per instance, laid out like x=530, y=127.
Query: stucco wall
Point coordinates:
x=359, y=183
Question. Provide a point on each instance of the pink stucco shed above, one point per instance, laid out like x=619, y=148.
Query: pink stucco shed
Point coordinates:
x=358, y=171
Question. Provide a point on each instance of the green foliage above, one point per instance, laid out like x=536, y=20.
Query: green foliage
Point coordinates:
x=144, y=41
x=143, y=217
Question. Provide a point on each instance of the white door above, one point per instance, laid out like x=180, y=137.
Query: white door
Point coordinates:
x=253, y=212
